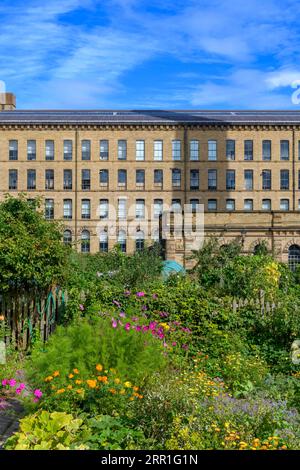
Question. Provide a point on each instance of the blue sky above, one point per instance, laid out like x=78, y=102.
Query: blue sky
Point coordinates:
x=139, y=54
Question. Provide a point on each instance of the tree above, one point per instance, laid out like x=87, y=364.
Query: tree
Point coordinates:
x=32, y=255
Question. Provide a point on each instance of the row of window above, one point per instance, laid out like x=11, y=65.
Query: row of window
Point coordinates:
x=177, y=147
x=103, y=240
x=103, y=208
x=194, y=184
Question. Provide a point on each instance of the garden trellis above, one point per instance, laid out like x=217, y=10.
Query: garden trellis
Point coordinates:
x=28, y=317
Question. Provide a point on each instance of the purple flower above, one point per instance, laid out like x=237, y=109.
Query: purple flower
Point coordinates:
x=114, y=324
x=4, y=382
x=144, y=307
x=152, y=325
x=12, y=382
x=21, y=386
x=185, y=346
x=140, y=294
x=122, y=314
x=81, y=307
x=154, y=296
x=38, y=393
x=145, y=328
x=138, y=328
x=134, y=319
x=127, y=293
x=127, y=326
x=116, y=303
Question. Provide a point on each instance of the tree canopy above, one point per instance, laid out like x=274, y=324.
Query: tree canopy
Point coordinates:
x=32, y=255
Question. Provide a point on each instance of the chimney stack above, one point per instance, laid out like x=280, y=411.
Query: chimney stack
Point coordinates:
x=7, y=102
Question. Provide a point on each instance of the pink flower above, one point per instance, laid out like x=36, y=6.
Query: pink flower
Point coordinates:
x=134, y=319
x=38, y=394
x=81, y=307
x=154, y=296
x=174, y=343
x=127, y=326
x=12, y=382
x=184, y=346
x=145, y=328
x=21, y=386
x=138, y=328
x=4, y=382
x=122, y=314
x=127, y=292
x=18, y=391
x=152, y=325
x=114, y=324
x=35, y=400
x=140, y=294
x=117, y=303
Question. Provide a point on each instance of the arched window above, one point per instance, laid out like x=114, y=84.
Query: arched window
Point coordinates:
x=122, y=240
x=103, y=241
x=85, y=241
x=139, y=240
x=294, y=257
x=67, y=237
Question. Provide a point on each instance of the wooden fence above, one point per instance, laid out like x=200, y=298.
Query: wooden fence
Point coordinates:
x=260, y=303
x=28, y=317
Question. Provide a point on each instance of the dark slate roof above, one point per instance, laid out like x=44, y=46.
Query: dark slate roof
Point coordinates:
x=148, y=117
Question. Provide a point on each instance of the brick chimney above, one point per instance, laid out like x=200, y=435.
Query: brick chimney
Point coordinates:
x=7, y=102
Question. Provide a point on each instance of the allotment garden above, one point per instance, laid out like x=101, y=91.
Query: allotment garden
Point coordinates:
x=205, y=359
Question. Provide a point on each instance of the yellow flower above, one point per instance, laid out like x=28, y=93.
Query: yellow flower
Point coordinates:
x=71, y=376
x=48, y=379
x=61, y=390
x=78, y=382
x=76, y=371
x=1, y=317
x=122, y=392
x=99, y=367
x=69, y=387
x=112, y=390
x=127, y=384
x=91, y=383
x=117, y=381
x=79, y=390
x=56, y=373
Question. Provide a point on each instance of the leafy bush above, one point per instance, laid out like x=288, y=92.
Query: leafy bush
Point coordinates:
x=90, y=341
x=49, y=431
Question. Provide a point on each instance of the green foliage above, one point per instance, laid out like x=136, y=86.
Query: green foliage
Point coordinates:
x=32, y=256
x=111, y=433
x=87, y=342
x=49, y=431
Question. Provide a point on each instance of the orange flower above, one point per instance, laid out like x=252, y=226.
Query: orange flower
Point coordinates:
x=135, y=388
x=61, y=390
x=91, y=383
x=99, y=367
x=78, y=382
x=117, y=381
x=76, y=371
x=49, y=378
x=71, y=376
x=1, y=317
x=102, y=378
x=112, y=390
x=56, y=373
x=79, y=390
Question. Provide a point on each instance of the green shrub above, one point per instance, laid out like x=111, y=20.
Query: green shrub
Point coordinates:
x=83, y=344
x=49, y=431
